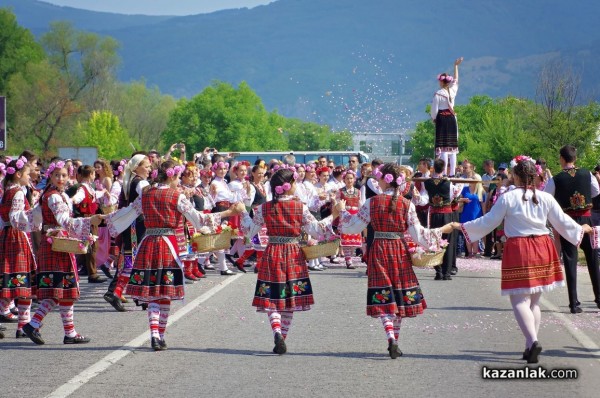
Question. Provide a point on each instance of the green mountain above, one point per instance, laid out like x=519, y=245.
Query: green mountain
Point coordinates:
x=366, y=65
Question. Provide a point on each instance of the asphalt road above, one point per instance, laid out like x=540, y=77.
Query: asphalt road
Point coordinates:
x=219, y=346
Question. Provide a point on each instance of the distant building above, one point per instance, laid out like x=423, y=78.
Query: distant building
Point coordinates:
x=390, y=146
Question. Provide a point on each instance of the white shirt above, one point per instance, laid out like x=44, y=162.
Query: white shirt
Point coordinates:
x=441, y=100
x=551, y=187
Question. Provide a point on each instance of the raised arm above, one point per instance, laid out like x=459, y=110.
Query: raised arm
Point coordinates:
x=456, y=63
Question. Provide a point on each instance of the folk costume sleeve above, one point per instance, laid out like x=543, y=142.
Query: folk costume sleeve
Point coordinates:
x=197, y=218
x=21, y=219
x=355, y=224
x=252, y=226
x=123, y=218
x=316, y=229
x=76, y=227
x=564, y=224
x=480, y=227
x=423, y=236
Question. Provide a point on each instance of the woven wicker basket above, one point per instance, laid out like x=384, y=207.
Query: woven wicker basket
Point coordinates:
x=67, y=245
x=212, y=242
x=322, y=249
x=109, y=209
x=428, y=260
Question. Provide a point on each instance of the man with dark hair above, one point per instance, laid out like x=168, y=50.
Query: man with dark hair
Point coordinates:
x=439, y=192
x=489, y=175
x=423, y=171
x=574, y=189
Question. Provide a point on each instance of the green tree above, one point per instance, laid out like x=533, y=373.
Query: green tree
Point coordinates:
x=227, y=118
x=103, y=130
x=17, y=48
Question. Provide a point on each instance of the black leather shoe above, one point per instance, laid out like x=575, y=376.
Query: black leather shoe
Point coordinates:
x=227, y=273
x=438, y=276
x=597, y=301
x=155, y=344
x=454, y=271
x=280, y=347
x=5, y=319
x=20, y=334
x=526, y=354
x=114, y=301
x=394, y=350
x=97, y=279
x=240, y=267
x=230, y=258
x=447, y=278
x=106, y=271
x=33, y=334
x=534, y=352
x=79, y=339
x=575, y=310
x=163, y=344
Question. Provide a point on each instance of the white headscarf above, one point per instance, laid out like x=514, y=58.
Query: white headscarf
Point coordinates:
x=133, y=164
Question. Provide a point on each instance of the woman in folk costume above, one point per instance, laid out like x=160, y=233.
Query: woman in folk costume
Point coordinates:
x=157, y=273
x=135, y=180
x=17, y=262
x=57, y=279
x=530, y=263
x=223, y=197
x=283, y=285
x=239, y=184
x=103, y=184
x=351, y=195
x=444, y=118
x=393, y=289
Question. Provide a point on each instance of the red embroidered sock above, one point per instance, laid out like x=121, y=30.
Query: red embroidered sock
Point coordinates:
x=165, y=308
x=153, y=318
x=388, y=325
x=275, y=321
x=286, y=322
x=122, y=282
x=245, y=256
x=66, y=314
x=43, y=309
x=397, y=324
x=24, y=312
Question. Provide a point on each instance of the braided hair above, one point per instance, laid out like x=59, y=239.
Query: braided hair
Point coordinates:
x=526, y=172
x=394, y=170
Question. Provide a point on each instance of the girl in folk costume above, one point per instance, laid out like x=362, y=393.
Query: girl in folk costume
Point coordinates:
x=256, y=197
x=56, y=279
x=223, y=197
x=530, y=263
x=206, y=176
x=157, y=276
x=283, y=285
x=135, y=180
x=17, y=262
x=103, y=184
x=194, y=194
x=393, y=289
x=239, y=184
x=85, y=202
x=354, y=201
x=442, y=114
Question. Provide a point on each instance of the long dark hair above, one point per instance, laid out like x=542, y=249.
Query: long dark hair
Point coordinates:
x=279, y=178
x=9, y=178
x=526, y=172
x=394, y=170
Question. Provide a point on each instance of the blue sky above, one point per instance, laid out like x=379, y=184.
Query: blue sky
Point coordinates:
x=159, y=7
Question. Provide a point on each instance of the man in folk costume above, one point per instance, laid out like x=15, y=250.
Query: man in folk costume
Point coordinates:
x=574, y=189
x=440, y=193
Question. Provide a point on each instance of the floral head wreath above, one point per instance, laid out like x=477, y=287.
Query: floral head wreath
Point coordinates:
x=154, y=174
x=445, y=78
x=518, y=159
x=539, y=170
x=120, y=168
x=377, y=172
x=174, y=171
x=2, y=168
x=240, y=163
x=389, y=178
x=320, y=170
x=21, y=162
x=345, y=173
x=220, y=164
x=280, y=189
x=59, y=164
x=286, y=167
x=206, y=172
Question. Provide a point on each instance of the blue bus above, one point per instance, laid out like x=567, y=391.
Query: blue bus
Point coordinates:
x=338, y=157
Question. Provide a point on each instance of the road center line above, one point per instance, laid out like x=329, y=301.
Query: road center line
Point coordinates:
x=94, y=370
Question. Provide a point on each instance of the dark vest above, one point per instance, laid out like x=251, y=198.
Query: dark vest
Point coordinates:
x=369, y=193
x=438, y=190
x=573, y=189
x=140, y=228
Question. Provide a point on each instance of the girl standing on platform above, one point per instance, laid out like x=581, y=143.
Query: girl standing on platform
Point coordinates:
x=393, y=289
x=17, y=262
x=530, y=263
x=444, y=118
x=283, y=285
x=157, y=273
x=57, y=278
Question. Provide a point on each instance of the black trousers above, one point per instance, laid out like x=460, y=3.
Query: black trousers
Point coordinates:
x=569, y=253
x=439, y=220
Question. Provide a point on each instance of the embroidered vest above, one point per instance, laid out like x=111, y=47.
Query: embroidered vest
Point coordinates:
x=573, y=189
x=438, y=190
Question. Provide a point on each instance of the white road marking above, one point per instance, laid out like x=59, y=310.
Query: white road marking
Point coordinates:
x=94, y=370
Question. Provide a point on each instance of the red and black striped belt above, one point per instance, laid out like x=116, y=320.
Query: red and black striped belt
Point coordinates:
x=440, y=210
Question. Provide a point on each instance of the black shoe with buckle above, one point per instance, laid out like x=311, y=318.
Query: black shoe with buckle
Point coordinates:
x=33, y=334
x=106, y=271
x=155, y=344
x=20, y=334
x=96, y=279
x=280, y=347
x=79, y=339
x=114, y=301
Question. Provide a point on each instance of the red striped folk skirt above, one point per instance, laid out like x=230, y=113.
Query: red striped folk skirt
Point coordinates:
x=56, y=274
x=156, y=273
x=283, y=283
x=17, y=265
x=393, y=287
x=530, y=265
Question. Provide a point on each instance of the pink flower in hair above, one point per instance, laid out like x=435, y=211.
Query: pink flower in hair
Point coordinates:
x=170, y=172
x=388, y=178
x=538, y=170
x=377, y=173
x=10, y=170
x=2, y=168
x=154, y=174
x=400, y=180
x=279, y=190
